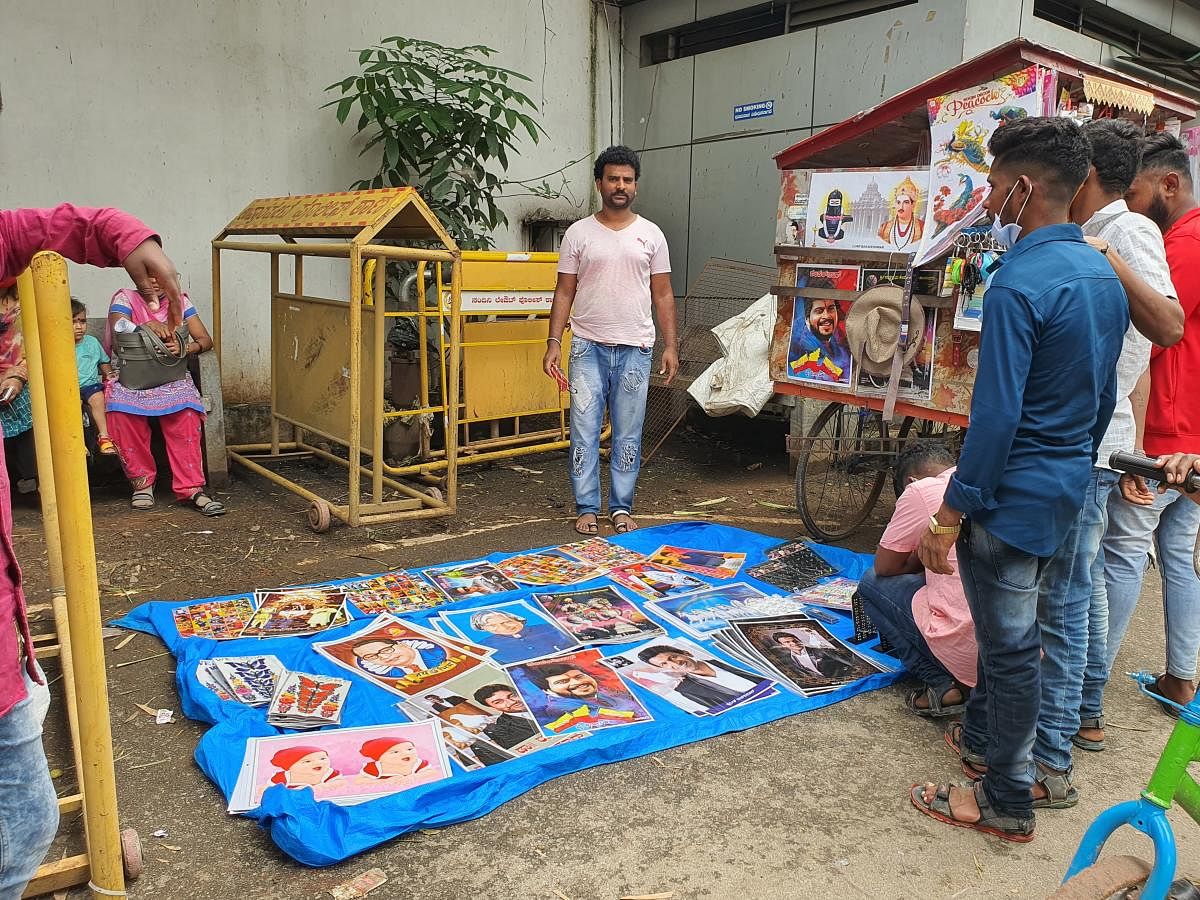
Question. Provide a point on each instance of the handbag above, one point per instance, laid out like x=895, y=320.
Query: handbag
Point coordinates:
x=145, y=361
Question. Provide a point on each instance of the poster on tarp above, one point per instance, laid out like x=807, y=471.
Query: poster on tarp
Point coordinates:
x=960, y=125
x=866, y=209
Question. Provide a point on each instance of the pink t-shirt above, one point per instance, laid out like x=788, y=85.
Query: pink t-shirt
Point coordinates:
x=940, y=608
x=612, y=298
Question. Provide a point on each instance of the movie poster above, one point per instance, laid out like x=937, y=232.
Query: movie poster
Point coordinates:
x=867, y=209
x=817, y=347
x=960, y=126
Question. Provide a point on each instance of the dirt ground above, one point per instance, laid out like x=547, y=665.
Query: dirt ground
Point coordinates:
x=815, y=806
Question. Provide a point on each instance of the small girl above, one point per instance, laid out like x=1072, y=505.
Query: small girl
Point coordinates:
x=94, y=369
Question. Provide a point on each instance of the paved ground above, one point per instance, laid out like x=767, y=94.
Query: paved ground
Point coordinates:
x=810, y=807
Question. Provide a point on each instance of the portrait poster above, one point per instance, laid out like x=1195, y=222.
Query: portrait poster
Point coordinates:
x=867, y=209
x=467, y=580
x=805, y=653
x=817, y=346
x=792, y=211
x=690, y=677
x=575, y=692
x=960, y=126
x=916, y=378
x=342, y=765
x=401, y=657
x=516, y=631
x=598, y=616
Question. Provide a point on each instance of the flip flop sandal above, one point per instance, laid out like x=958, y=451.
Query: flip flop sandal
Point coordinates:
x=1059, y=788
x=974, y=765
x=935, y=709
x=143, y=499
x=1008, y=828
x=588, y=529
x=1087, y=743
x=1166, y=707
x=207, y=505
x=624, y=526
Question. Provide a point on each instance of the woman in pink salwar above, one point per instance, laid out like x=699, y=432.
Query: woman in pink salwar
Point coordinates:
x=176, y=405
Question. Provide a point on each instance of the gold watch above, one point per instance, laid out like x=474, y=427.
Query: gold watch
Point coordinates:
x=943, y=529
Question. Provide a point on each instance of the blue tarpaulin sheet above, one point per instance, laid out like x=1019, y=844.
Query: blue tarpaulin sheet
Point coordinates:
x=319, y=833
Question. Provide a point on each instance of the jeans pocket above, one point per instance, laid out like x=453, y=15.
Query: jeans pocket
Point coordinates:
x=579, y=346
x=1014, y=568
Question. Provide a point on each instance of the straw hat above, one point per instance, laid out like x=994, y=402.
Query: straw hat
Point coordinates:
x=873, y=329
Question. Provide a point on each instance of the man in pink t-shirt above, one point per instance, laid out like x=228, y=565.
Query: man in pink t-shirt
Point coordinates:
x=613, y=272
x=922, y=614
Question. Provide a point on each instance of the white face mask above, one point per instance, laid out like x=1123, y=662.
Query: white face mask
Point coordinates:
x=1007, y=235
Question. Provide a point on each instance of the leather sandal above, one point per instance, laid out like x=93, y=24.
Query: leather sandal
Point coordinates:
x=1008, y=828
x=143, y=499
x=935, y=708
x=1083, y=743
x=1059, y=788
x=207, y=505
x=585, y=526
x=974, y=765
x=622, y=522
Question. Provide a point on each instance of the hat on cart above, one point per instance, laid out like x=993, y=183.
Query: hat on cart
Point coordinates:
x=873, y=329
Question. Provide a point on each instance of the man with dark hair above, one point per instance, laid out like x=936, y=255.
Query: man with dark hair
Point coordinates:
x=707, y=682
x=568, y=686
x=1134, y=248
x=514, y=723
x=1138, y=517
x=613, y=269
x=819, y=350
x=1043, y=397
x=922, y=614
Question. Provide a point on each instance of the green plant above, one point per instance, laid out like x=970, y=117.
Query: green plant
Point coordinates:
x=445, y=121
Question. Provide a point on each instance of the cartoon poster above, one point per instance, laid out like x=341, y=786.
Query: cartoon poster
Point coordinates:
x=960, y=126
x=867, y=209
x=576, y=692
x=817, y=349
x=343, y=765
x=399, y=656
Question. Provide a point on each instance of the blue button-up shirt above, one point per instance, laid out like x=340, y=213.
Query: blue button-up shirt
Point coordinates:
x=1055, y=316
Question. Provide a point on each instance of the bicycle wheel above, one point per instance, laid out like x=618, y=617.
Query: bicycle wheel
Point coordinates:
x=841, y=470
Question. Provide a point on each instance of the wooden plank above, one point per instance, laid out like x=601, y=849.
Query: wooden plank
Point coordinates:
x=902, y=408
x=70, y=804
x=56, y=876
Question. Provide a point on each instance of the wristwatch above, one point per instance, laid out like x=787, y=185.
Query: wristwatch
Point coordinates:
x=943, y=529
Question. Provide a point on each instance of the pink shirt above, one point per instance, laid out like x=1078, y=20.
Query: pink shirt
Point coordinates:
x=612, y=299
x=940, y=608
x=101, y=237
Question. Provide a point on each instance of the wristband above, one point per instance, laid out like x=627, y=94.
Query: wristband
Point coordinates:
x=556, y=340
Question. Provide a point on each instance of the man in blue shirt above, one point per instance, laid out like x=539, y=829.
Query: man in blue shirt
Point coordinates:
x=1055, y=317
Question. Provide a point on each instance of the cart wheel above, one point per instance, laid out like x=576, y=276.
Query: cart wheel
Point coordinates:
x=841, y=470
x=1110, y=879
x=318, y=516
x=435, y=493
x=131, y=853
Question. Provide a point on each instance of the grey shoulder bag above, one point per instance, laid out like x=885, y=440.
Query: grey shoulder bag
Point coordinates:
x=145, y=361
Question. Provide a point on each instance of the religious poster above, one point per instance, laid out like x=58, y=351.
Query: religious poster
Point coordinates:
x=960, y=126
x=793, y=206
x=866, y=209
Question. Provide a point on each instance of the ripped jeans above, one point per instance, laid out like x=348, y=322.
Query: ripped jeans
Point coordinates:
x=612, y=377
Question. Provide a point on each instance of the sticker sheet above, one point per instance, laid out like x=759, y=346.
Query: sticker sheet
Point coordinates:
x=342, y=765
x=249, y=679
x=575, y=692
x=516, y=631
x=835, y=594
x=477, y=579
x=598, y=616
x=221, y=620
x=547, y=569
x=400, y=656
x=710, y=563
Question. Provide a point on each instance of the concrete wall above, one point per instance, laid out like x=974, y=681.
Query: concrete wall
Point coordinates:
x=711, y=182
x=181, y=112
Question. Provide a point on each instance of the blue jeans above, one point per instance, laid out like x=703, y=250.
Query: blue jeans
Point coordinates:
x=888, y=601
x=1171, y=524
x=612, y=377
x=28, y=805
x=1093, y=524
x=1018, y=602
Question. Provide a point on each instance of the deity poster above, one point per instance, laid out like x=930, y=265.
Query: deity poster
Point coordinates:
x=867, y=209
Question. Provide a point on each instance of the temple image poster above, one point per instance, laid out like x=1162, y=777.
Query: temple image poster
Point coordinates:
x=960, y=126
x=867, y=209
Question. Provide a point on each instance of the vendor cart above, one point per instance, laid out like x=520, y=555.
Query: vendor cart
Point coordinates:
x=844, y=457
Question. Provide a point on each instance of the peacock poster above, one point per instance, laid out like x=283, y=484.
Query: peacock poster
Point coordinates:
x=960, y=125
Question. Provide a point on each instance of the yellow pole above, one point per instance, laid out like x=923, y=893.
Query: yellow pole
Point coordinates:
x=451, y=387
x=355, y=436
x=45, y=465
x=274, y=354
x=377, y=409
x=97, y=777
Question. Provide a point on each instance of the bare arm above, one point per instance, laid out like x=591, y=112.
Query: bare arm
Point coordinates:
x=1154, y=314
x=1133, y=487
x=663, y=297
x=201, y=340
x=560, y=313
x=892, y=562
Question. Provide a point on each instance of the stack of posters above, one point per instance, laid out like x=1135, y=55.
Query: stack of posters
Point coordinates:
x=477, y=579
x=793, y=567
x=798, y=651
x=289, y=612
x=303, y=700
x=251, y=680
x=220, y=620
x=836, y=593
x=343, y=765
x=702, y=613
x=690, y=677
x=598, y=616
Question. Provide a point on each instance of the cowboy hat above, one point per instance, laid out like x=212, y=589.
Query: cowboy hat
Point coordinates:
x=873, y=329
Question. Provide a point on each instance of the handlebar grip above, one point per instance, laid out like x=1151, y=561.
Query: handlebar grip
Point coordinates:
x=1137, y=464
